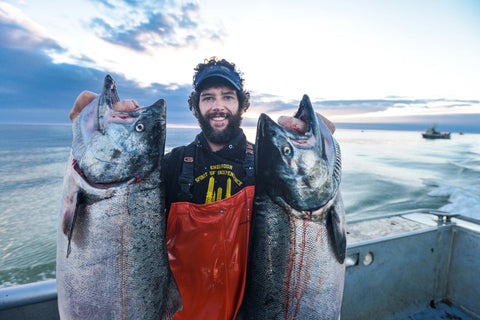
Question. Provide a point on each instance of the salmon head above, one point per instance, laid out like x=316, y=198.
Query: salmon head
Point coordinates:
x=304, y=170
x=112, y=147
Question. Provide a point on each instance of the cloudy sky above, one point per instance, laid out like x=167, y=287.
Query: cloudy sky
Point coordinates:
x=410, y=61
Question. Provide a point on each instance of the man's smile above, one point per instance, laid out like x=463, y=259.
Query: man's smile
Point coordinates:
x=219, y=119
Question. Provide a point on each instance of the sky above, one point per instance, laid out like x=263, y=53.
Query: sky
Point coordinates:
x=360, y=61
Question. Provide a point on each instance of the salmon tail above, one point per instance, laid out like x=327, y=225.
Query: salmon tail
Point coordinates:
x=174, y=301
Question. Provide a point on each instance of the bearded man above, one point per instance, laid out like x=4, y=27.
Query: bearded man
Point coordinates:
x=209, y=193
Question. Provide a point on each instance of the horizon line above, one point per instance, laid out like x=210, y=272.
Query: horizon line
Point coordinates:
x=395, y=126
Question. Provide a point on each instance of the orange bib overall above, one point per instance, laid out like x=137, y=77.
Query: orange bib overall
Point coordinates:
x=207, y=249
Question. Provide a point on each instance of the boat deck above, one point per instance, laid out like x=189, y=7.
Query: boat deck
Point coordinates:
x=374, y=228
x=441, y=311
x=417, y=265
x=411, y=266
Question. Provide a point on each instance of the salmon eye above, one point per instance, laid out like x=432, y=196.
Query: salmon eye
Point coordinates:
x=139, y=127
x=286, y=150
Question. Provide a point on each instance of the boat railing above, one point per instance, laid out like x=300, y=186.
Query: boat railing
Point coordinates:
x=26, y=294
x=443, y=216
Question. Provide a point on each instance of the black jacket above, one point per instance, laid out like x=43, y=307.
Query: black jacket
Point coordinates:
x=216, y=175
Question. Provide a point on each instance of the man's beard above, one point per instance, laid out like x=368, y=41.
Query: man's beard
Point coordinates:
x=226, y=134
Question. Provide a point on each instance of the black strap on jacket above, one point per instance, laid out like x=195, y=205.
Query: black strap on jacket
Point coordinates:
x=248, y=163
x=186, y=178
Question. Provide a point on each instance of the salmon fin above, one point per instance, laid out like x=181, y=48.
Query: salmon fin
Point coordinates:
x=70, y=217
x=336, y=231
x=174, y=302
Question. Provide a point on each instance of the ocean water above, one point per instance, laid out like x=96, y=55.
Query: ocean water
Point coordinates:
x=384, y=172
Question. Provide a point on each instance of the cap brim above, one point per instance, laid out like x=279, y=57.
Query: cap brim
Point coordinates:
x=219, y=71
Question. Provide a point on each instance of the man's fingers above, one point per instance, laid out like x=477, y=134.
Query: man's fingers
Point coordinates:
x=298, y=126
x=328, y=123
x=86, y=97
x=81, y=102
x=293, y=124
x=126, y=105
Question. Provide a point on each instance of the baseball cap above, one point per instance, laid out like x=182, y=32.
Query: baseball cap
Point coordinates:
x=218, y=71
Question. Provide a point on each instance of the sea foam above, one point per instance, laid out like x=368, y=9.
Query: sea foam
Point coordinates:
x=464, y=200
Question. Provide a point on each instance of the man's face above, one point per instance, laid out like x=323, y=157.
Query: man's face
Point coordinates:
x=219, y=113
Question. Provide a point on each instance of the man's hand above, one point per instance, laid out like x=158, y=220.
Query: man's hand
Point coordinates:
x=298, y=126
x=82, y=101
x=86, y=97
x=126, y=105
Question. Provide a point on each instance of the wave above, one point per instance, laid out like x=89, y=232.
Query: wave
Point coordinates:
x=464, y=200
x=23, y=275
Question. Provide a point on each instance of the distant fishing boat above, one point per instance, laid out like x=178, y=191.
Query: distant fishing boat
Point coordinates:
x=432, y=133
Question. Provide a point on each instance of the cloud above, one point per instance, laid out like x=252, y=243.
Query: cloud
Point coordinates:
x=371, y=106
x=152, y=25
x=35, y=89
x=268, y=103
x=106, y=3
x=391, y=110
x=272, y=103
x=189, y=16
x=18, y=31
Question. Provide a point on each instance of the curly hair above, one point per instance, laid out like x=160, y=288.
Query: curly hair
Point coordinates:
x=215, y=82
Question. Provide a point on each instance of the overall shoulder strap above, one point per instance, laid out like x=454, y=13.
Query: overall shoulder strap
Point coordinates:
x=248, y=163
x=186, y=177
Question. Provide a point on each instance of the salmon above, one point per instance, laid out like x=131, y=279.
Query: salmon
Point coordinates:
x=297, y=248
x=111, y=250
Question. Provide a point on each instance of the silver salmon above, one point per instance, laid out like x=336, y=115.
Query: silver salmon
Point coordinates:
x=111, y=250
x=296, y=264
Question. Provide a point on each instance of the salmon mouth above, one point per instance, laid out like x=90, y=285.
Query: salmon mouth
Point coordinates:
x=79, y=171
